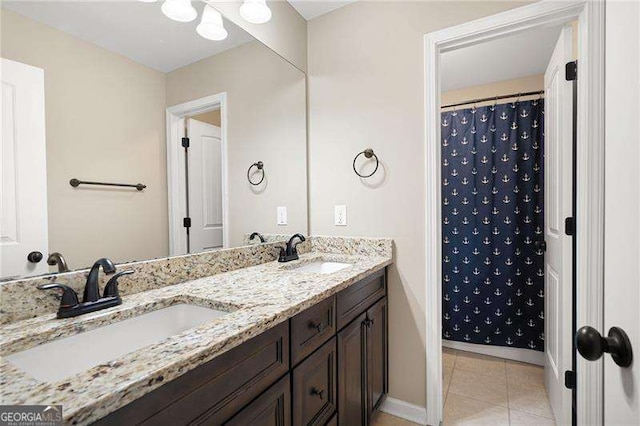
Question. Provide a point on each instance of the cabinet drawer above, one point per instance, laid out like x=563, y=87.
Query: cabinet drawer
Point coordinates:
x=216, y=390
x=314, y=387
x=272, y=408
x=311, y=328
x=354, y=300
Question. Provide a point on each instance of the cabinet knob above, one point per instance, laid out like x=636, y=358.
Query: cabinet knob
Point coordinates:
x=318, y=393
x=316, y=325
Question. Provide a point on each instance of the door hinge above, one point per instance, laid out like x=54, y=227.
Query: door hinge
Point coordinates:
x=570, y=379
x=571, y=71
x=185, y=142
x=186, y=222
x=569, y=226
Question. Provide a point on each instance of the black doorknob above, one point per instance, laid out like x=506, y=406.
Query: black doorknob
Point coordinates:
x=592, y=345
x=34, y=257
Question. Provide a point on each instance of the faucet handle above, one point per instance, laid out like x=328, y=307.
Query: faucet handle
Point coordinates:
x=69, y=296
x=283, y=253
x=111, y=288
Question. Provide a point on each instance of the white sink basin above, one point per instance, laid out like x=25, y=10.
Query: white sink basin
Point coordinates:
x=320, y=267
x=65, y=357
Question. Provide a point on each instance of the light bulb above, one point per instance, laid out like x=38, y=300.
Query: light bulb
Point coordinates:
x=255, y=11
x=179, y=10
x=211, y=26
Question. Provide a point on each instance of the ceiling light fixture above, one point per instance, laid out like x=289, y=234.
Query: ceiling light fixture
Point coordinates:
x=255, y=11
x=179, y=10
x=211, y=26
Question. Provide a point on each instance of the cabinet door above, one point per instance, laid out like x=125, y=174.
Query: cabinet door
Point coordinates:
x=314, y=387
x=351, y=373
x=272, y=408
x=376, y=340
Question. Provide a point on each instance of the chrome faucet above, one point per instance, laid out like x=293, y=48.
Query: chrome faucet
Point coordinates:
x=290, y=251
x=70, y=306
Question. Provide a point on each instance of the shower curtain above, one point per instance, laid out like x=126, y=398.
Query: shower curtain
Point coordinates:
x=492, y=216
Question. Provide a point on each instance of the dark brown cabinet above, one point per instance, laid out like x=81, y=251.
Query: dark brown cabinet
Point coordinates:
x=215, y=391
x=351, y=392
x=325, y=366
x=272, y=408
x=311, y=328
x=314, y=387
x=376, y=338
x=362, y=365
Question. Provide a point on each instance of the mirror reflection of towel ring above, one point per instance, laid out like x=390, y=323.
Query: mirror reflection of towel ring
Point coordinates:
x=260, y=166
x=368, y=153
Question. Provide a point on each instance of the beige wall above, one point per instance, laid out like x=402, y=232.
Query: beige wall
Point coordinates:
x=211, y=117
x=266, y=122
x=530, y=83
x=105, y=122
x=366, y=90
x=285, y=33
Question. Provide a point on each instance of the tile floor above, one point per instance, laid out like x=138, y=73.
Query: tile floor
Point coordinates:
x=484, y=390
x=480, y=389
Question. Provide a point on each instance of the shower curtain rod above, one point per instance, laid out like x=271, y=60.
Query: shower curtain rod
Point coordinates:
x=495, y=98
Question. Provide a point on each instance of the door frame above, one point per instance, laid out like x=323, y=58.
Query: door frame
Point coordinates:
x=176, y=174
x=590, y=173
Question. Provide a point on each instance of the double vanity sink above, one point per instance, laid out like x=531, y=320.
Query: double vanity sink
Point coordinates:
x=97, y=363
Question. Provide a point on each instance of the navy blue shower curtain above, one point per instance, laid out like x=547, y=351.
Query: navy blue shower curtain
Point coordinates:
x=492, y=212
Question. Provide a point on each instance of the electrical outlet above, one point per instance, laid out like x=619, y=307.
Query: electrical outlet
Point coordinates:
x=341, y=216
x=282, y=215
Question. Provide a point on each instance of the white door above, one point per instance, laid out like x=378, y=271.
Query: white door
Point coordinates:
x=622, y=207
x=558, y=206
x=23, y=177
x=205, y=186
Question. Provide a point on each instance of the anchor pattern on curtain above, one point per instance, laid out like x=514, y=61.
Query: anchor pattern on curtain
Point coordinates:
x=492, y=215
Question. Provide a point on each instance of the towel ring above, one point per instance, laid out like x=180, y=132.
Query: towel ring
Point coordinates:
x=260, y=166
x=368, y=153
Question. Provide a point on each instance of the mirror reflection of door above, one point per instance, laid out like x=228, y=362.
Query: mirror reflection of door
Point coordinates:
x=204, y=183
x=23, y=178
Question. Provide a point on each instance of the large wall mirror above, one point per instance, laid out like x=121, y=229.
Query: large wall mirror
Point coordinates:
x=106, y=92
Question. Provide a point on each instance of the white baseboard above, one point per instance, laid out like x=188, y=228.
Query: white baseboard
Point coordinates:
x=404, y=410
x=515, y=354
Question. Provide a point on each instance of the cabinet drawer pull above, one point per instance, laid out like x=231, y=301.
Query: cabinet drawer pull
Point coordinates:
x=316, y=325
x=316, y=392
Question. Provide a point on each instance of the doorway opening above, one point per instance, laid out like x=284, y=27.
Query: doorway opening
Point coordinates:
x=505, y=316
x=197, y=175
x=506, y=280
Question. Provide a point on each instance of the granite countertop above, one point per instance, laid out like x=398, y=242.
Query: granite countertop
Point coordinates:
x=257, y=298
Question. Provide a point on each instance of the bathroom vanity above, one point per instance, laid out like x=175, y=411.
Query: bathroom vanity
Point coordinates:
x=333, y=354
x=236, y=338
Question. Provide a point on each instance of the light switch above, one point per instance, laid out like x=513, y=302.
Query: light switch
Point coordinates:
x=282, y=215
x=341, y=216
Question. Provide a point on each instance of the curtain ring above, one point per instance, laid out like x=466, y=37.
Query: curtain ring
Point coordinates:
x=260, y=166
x=368, y=153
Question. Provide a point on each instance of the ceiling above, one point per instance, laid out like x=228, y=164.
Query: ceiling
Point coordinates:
x=133, y=29
x=521, y=55
x=310, y=9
